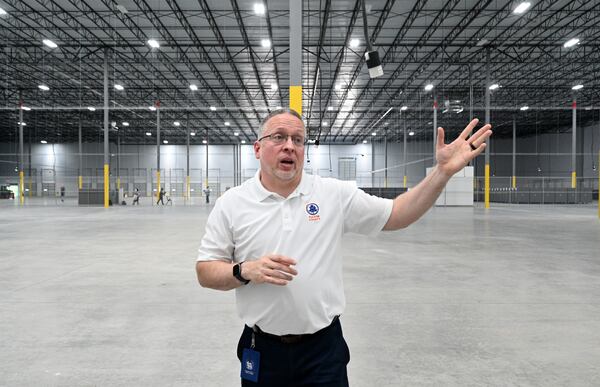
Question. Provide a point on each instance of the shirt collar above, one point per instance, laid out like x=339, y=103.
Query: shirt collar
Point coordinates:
x=302, y=189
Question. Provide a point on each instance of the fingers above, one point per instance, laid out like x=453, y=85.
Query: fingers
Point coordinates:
x=273, y=269
x=440, y=137
x=480, y=137
x=465, y=133
x=477, y=151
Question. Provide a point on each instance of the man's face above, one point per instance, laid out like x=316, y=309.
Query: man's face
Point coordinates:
x=281, y=162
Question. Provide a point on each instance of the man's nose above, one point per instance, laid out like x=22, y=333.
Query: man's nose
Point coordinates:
x=288, y=143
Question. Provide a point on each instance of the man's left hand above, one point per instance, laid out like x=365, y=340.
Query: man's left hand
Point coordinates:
x=453, y=157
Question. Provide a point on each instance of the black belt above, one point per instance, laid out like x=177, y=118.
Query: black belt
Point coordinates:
x=294, y=339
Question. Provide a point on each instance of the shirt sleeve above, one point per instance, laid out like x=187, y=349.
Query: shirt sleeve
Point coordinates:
x=363, y=213
x=217, y=243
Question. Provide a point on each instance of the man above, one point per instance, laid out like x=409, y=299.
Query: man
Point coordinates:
x=161, y=195
x=276, y=239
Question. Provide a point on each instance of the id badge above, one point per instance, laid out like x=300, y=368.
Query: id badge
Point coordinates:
x=250, y=365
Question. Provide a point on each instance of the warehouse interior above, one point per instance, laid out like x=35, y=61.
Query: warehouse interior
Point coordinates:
x=106, y=100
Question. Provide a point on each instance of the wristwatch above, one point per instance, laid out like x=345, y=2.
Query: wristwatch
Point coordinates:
x=237, y=273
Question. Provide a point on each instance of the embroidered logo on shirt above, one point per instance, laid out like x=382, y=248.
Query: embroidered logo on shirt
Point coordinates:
x=313, y=209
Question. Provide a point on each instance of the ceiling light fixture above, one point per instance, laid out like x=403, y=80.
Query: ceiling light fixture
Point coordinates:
x=243, y=141
x=204, y=142
x=354, y=43
x=125, y=123
x=274, y=87
x=338, y=86
x=192, y=133
x=44, y=87
x=91, y=108
x=176, y=123
x=118, y=87
x=411, y=133
x=330, y=108
x=26, y=108
x=374, y=134
x=523, y=108
x=193, y=87
x=404, y=108
x=212, y=108
x=148, y=134
x=49, y=43
x=577, y=87
x=325, y=123
x=364, y=141
x=259, y=8
x=22, y=123
x=165, y=141
x=521, y=8
x=571, y=43
x=153, y=43
x=494, y=86
x=428, y=87
x=44, y=142
x=227, y=123
x=2, y=12
x=153, y=108
x=266, y=43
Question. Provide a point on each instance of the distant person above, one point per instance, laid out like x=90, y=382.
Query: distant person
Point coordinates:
x=161, y=195
x=62, y=194
x=136, y=197
x=168, y=196
x=207, y=194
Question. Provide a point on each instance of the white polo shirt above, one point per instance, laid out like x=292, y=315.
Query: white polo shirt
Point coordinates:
x=248, y=222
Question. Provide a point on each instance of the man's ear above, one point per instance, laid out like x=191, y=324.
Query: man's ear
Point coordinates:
x=256, y=149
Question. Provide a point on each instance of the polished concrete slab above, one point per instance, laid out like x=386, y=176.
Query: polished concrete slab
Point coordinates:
x=465, y=297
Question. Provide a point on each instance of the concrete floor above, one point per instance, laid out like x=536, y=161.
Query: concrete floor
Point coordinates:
x=507, y=297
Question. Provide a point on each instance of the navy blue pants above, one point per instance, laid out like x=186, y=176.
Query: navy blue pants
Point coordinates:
x=319, y=360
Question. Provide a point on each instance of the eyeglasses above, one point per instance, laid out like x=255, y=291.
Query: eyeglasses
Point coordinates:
x=280, y=138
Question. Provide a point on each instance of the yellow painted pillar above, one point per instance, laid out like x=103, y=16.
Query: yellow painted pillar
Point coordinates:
x=514, y=182
x=157, y=184
x=404, y=181
x=106, y=185
x=118, y=183
x=296, y=99
x=487, y=186
x=187, y=187
x=80, y=182
x=573, y=179
x=21, y=188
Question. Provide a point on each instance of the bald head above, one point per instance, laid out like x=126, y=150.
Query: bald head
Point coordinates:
x=275, y=113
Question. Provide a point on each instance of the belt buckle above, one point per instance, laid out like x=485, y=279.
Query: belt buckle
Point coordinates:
x=291, y=339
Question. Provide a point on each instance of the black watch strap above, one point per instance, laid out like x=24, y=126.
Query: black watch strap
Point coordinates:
x=237, y=273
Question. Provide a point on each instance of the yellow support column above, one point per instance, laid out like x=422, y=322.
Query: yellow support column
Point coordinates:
x=573, y=179
x=80, y=182
x=157, y=184
x=21, y=188
x=187, y=187
x=118, y=183
x=106, y=185
x=405, y=181
x=487, y=186
x=296, y=99
x=514, y=182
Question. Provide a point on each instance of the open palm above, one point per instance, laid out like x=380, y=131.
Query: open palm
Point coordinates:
x=453, y=157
